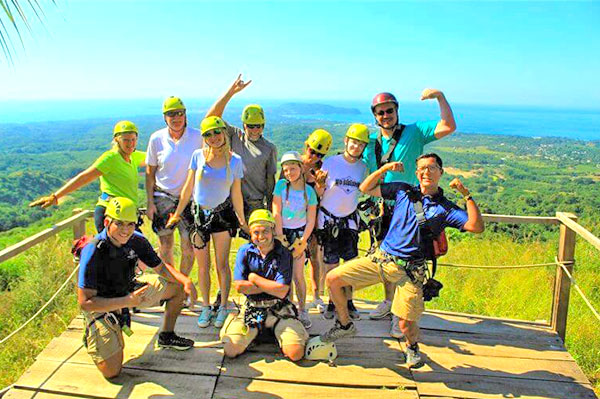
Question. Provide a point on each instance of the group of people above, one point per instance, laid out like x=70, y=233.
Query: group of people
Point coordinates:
x=213, y=183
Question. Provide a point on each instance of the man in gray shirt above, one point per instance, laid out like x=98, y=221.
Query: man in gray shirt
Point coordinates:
x=259, y=155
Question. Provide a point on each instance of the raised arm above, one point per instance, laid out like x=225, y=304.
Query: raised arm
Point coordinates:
x=475, y=222
x=218, y=107
x=447, y=124
x=82, y=179
x=371, y=183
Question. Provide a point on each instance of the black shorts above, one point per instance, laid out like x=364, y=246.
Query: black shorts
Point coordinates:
x=345, y=246
x=292, y=234
x=208, y=221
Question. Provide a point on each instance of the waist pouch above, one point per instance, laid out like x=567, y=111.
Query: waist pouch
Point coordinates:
x=256, y=316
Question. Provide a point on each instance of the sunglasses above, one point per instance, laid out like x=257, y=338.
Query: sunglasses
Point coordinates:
x=214, y=132
x=386, y=111
x=174, y=113
x=313, y=152
x=254, y=126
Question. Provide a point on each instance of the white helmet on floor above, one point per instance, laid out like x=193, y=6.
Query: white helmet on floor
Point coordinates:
x=319, y=350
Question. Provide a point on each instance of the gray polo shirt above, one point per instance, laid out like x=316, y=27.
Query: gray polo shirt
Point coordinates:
x=260, y=160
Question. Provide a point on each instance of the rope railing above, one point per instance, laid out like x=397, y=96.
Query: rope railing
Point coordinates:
x=22, y=326
x=579, y=291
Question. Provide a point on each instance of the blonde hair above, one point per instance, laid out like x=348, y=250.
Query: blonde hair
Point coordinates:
x=209, y=155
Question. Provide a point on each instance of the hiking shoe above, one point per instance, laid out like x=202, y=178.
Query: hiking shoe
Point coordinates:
x=221, y=316
x=206, y=314
x=352, y=311
x=395, y=331
x=338, y=331
x=382, y=310
x=413, y=357
x=304, y=319
x=173, y=341
x=318, y=304
x=329, y=313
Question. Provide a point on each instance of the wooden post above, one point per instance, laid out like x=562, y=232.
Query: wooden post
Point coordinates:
x=562, y=289
x=79, y=227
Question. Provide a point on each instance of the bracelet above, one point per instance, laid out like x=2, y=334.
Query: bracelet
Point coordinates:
x=468, y=197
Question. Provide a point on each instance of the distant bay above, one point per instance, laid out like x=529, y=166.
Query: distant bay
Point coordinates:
x=581, y=124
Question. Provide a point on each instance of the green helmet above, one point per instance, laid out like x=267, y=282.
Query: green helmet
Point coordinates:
x=261, y=215
x=211, y=123
x=172, y=104
x=123, y=127
x=253, y=114
x=316, y=349
x=121, y=208
x=320, y=141
x=358, y=131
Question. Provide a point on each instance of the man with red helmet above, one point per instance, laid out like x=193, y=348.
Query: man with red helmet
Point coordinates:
x=396, y=142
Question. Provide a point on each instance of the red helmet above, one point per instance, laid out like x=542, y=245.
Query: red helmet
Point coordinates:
x=383, y=98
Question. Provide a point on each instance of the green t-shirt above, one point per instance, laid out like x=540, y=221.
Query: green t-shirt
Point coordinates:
x=409, y=148
x=119, y=178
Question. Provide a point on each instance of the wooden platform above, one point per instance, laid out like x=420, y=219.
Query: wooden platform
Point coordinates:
x=467, y=357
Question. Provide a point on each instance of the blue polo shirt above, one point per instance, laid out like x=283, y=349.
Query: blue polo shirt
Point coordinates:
x=110, y=269
x=402, y=238
x=276, y=266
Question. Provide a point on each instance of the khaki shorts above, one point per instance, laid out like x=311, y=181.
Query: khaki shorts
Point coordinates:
x=103, y=337
x=287, y=331
x=362, y=272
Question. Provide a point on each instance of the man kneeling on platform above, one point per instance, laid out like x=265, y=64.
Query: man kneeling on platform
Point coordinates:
x=263, y=272
x=107, y=288
x=419, y=212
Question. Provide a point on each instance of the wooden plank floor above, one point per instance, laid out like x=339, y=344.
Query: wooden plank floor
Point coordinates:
x=466, y=357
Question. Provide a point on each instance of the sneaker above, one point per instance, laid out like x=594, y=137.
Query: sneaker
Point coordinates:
x=352, y=311
x=221, y=316
x=329, y=313
x=317, y=304
x=413, y=358
x=382, y=310
x=205, y=315
x=338, y=331
x=173, y=341
x=395, y=331
x=304, y=319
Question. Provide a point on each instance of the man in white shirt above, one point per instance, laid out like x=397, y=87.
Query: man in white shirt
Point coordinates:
x=168, y=159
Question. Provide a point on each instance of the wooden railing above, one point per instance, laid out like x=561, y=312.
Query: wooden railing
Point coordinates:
x=76, y=222
x=569, y=229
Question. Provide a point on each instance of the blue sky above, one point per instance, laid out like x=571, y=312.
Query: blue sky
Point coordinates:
x=534, y=53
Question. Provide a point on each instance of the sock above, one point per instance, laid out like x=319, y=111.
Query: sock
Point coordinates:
x=346, y=327
x=415, y=346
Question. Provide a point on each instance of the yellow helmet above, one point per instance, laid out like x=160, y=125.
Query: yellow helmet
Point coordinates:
x=172, y=104
x=123, y=127
x=320, y=141
x=253, y=114
x=358, y=131
x=261, y=215
x=121, y=208
x=211, y=123
x=319, y=350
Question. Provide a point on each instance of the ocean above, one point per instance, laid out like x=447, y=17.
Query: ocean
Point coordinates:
x=582, y=124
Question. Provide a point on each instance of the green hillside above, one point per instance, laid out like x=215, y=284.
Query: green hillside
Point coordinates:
x=507, y=175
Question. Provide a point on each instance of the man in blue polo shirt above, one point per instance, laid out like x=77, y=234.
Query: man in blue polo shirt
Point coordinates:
x=400, y=259
x=106, y=288
x=263, y=272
